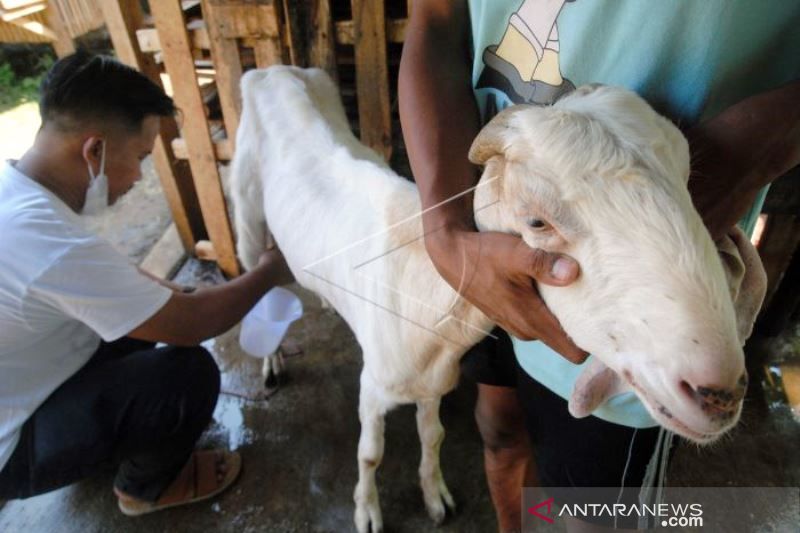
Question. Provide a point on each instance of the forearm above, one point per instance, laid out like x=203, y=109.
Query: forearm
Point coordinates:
x=438, y=111
x=188, y=319
x=740, y=151
x=221, y=307
x=163, y=282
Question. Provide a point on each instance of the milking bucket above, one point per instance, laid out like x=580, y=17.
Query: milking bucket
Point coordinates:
x=265, y=325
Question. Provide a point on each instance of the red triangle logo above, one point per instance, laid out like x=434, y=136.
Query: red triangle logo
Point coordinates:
x=549, y=503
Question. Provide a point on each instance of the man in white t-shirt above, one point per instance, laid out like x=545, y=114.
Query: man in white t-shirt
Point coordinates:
x=81, y=382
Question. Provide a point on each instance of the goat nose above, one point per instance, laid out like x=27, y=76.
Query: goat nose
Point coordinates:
x=718, y=401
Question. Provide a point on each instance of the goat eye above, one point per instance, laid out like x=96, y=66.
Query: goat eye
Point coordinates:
x=537, y=223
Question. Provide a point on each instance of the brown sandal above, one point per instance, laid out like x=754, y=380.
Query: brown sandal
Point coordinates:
x=194, y=475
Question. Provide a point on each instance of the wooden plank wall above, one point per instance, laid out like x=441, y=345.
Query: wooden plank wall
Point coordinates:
x=78, y=16
x=334, y=44
x=180, y=65
x=231, y=37
x=50, y=21
x=123, y=18
x=17, y=33
x=372, y=76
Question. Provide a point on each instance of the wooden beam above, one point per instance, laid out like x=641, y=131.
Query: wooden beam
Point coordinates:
x=11, y=5
x=228, y=71
x=239, y=20
x=8, y=15
x=179, y=63
x=372, y=76
x=123, y=18
x=148, y=39
x=291, y=38
x=395, y=31
x=223, y=149
x=34, y=26
x=205, y=251
x=322, y=52
x=166, y=256
x=63, y=44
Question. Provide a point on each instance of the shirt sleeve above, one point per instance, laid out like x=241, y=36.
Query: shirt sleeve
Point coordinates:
x=93, y=283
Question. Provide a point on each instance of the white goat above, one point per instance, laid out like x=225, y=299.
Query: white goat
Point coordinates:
x=605, y=172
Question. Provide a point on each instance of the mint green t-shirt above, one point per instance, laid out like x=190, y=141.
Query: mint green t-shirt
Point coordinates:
x=690, y=59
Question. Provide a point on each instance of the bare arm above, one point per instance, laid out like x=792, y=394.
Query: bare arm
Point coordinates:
x=188, y=319
x=741, y=150
x=439, y=114
x=164, y=282
x=493, y=271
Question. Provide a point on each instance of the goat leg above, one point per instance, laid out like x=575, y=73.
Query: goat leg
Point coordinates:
x=431, y=435
x=370, y=454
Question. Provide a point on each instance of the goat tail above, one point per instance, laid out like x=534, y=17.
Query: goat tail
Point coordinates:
x=247, y=191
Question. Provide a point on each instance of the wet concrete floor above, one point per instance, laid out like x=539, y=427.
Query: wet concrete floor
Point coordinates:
x=299, y=449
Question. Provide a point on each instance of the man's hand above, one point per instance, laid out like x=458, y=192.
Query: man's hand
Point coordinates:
x=496, y=273
x=188, y=319
x=440, y=118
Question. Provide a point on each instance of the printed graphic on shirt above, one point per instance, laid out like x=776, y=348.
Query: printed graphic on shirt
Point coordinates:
x=525, y=63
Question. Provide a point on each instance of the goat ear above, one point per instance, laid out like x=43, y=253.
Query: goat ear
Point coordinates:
x=587, y=88
x=746, y=279
x=596, y=384
x=489, y=216
x=492, y=139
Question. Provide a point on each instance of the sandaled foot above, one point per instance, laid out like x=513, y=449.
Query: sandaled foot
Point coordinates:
x=207, y=473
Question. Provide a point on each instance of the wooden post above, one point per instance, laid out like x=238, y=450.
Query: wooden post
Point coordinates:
x=63, y=44
x=227, y=68
x=291, y=42
x=372, y=76
x=123, y=18
x=176, y=52
x=322, y=51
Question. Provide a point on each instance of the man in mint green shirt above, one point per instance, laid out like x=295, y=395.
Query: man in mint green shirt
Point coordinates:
x=724, y=71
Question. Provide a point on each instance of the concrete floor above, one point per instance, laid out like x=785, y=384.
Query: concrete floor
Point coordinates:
x=299, y=449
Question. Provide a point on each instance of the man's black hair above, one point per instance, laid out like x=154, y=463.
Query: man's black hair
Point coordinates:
x=82, y=87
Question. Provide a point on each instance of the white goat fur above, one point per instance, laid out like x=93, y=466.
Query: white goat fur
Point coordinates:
x=349, y=229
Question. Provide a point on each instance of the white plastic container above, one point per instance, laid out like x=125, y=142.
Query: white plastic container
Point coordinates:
x=265, y=325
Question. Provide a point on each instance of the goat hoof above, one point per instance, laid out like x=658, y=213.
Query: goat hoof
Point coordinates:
x=273, y=372
x=437, y=512
x=368, y=519
x=439, y=502
x=272, y=381
x=368, y=516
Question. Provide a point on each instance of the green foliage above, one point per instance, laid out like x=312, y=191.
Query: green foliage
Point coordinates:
x=15, y=90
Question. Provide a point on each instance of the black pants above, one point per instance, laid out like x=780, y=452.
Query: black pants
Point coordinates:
x=132, y=406
x=569, y=452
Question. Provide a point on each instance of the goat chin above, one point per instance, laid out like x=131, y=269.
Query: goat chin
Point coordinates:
x=351, y=232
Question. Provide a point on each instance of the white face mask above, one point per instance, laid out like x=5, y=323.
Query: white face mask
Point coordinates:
x=97, y=194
